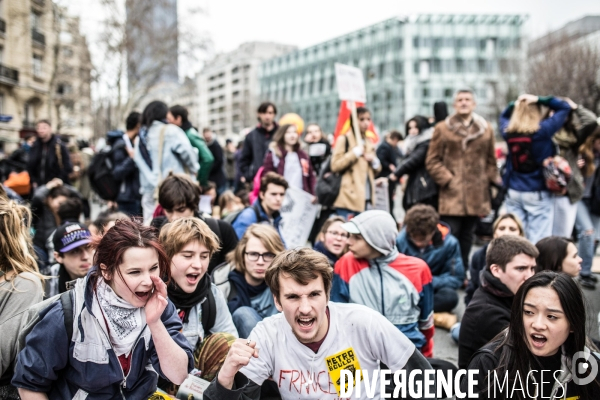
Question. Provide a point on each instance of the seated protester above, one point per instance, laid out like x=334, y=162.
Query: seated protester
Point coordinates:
x=127, y=332
x=507, y=224
x=265, y=209
x=306, y=337
x=375, y=274
x=510, y=262
x=106, y=220
x=44, y=206
x=559, y=254
x=333, y=239
x=538, y=351
x=21, y=285
x=73, y=256
x=69, y=211
x=207, y=325
x=242, y=279
x=428, y=238
x=229, y=203
x=179, y=197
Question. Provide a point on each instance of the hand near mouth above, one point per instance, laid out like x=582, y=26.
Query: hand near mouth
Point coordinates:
x=157, y=302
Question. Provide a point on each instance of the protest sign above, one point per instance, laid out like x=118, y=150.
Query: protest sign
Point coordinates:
x=351, y=87
x=382, y=200
x=298, y=215
x=350, y=83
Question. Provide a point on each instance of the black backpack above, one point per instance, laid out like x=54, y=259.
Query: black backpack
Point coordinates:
x=100, y=173
x=520, y=150
x=328, y=183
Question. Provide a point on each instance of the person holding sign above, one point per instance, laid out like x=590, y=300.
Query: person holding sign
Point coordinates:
x=354, y=157
x=305, y=347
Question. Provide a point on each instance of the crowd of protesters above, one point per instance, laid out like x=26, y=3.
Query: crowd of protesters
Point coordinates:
x=187, y=269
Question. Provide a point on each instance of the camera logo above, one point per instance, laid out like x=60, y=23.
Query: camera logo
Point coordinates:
x=584, y=371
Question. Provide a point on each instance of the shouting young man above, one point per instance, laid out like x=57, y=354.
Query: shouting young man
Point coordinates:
x=305, y=347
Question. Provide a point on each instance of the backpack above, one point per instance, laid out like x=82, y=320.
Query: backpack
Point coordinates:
x=30, y=317
x=209, y=312
x=520, y=150
x=328, y=183
x=101, y=176
x=231, y=217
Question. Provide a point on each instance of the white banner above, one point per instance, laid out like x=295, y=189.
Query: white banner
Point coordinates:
x=298, y=215
x=382, y=199
x=350, y=83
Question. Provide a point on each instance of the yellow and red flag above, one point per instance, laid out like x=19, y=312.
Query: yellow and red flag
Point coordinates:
x=343, y=123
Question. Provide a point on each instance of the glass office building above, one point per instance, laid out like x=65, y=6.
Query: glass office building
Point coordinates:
x=408, y=63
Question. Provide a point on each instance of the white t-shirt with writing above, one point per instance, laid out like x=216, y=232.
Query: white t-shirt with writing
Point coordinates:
x=358, y=338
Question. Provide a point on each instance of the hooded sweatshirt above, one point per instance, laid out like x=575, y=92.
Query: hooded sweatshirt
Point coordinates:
x=396, y=285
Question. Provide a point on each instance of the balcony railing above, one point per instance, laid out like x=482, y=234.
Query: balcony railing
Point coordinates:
x=38, y=37
x=39, y=3
x=2, y=26
x=9, y=75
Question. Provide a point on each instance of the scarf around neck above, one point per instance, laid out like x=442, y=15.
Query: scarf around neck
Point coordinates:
x=185, y=301
x=124, y=322
x=245, y=291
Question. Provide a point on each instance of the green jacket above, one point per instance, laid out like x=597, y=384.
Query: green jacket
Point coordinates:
x=205, y=157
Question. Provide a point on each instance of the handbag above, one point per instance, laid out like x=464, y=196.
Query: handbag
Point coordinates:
x=329, y=183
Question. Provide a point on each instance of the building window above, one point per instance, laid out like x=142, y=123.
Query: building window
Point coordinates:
x=416, y=41
x=436, y=66
x=35, y=21
x=416, y=67
x=381, y=70
x=460, y=65
x=447, y=92
x=37, y=63
x=481, y=67
x=398, y=68
x=68, y=53
x=399, y=44
x=1, y=100
x=321, y=85
x=425, y=92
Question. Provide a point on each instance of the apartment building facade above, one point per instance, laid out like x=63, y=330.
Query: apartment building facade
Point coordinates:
x=409, y=63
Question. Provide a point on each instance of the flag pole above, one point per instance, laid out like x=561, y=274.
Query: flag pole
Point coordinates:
x=354, y=117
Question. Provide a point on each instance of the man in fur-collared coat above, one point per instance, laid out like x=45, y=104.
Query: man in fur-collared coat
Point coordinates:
x=462, y=161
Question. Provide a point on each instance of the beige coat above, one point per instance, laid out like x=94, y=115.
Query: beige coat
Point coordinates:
x=353, y=187
x=462, y=161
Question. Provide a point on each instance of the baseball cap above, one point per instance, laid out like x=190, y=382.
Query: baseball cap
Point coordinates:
x=71, y=235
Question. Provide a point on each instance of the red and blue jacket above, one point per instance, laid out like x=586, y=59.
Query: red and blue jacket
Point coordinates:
x=398, y=286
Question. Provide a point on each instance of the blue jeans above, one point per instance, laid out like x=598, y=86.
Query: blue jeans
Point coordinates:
x=586, y=224
x=534, y=209
x=563, y=217
x=245, y=319
x=346, y=214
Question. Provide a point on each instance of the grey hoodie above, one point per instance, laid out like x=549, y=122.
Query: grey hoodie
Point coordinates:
x=377, y=227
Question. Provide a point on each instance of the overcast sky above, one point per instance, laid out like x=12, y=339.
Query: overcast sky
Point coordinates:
x=307, y=22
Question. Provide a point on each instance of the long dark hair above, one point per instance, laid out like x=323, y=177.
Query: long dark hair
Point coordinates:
x=553, y=251
x=155, y=111
x=515, y=356
x=421, y=122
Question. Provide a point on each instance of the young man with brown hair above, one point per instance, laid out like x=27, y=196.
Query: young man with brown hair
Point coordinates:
x=266, y=208
x=302, y=348
x=179, y=197
x=510, y=261
x=426, y=237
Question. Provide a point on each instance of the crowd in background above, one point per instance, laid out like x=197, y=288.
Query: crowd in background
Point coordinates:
x=198, y=222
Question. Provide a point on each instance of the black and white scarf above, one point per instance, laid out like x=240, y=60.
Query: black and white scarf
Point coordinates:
x=125, y=322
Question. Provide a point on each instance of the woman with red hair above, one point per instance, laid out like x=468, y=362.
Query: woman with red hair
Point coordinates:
x=125, y=330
